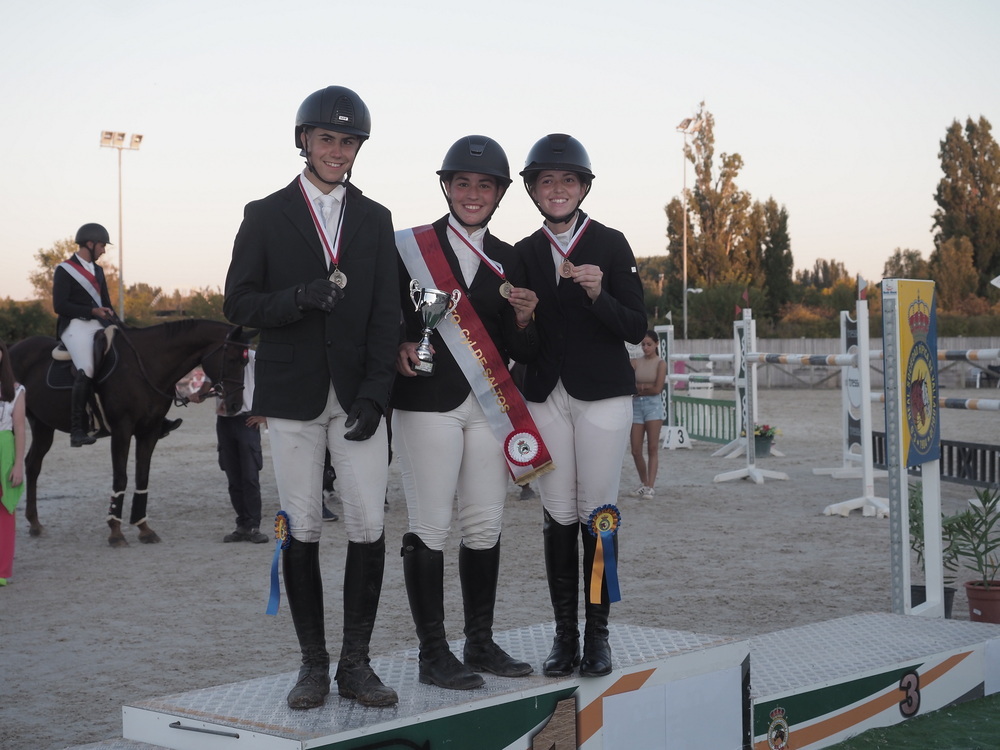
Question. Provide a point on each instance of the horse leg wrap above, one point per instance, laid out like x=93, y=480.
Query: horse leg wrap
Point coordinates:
x=139, y=498
x=115, y=509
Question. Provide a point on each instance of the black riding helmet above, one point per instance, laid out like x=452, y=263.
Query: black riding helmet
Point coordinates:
x=557, y=151
x=480, y=155
x=92, y=233
x=334, y=108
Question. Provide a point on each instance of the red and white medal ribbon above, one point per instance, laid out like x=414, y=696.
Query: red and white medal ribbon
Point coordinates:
x=495, y=266
x=557, y=246
x=332, y=247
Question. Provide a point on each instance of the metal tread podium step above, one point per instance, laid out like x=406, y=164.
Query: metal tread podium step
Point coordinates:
x=809, y=687
x=253, y=713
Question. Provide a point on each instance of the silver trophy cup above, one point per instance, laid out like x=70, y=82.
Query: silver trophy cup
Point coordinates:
x=432, y=305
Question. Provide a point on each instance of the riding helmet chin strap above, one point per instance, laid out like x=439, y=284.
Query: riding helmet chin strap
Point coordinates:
x=556, y=220
x=309, y=165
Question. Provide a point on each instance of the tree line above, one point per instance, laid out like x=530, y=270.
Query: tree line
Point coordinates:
x=739, y=251
x=739, y=254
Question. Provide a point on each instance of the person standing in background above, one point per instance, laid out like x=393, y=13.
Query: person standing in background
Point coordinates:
x=647, y=413
x=12, y=437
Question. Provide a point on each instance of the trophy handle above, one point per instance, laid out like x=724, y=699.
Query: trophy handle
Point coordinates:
x=456, y=295
x=415, y=294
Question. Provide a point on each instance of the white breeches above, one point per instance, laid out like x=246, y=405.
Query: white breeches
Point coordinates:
x=298, y=451
x=442, y=455
x=587, y=442
x=78, y=338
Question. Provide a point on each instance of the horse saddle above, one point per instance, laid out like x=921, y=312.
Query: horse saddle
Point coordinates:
x=62, y=373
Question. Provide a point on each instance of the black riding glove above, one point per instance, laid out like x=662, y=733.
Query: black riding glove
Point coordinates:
x=363, y=419
x=318, y=294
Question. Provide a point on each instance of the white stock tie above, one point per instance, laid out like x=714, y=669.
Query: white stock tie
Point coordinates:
x=326, y=207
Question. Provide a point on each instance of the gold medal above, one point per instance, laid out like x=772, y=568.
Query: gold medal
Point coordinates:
x=566, y=269
x=339, y=278
x=505, y=289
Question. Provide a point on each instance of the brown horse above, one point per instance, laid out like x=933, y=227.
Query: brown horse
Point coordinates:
x=135, y=387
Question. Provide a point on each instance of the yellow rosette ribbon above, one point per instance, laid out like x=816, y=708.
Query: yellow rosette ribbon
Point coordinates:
x=603, y=524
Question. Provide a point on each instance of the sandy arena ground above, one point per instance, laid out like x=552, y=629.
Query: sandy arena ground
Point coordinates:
x=86, y=628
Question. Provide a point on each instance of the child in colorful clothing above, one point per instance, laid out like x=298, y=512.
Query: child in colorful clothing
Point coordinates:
x=11, y=460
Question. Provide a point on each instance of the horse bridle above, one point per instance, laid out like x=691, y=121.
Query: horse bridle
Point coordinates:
x=217, y=389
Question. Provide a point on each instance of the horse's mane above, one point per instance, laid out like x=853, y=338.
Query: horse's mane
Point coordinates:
x=175, y=328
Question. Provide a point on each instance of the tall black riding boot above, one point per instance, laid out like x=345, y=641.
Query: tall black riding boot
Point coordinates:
x=479, y=571
x=78, y=434
x=362, y=588
x=304, y=590
x=596, y=651
x=562, y=567
x=423, y=571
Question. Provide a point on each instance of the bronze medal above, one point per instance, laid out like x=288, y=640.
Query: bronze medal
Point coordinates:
x=566, y=269
x=505, y=289
x=339, y=278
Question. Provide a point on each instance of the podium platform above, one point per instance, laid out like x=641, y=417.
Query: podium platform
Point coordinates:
x=805, y=688
x=817, y=685
x=659, y=680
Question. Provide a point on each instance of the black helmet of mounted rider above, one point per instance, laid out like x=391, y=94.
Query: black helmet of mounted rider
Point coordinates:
x=92, y=233
x=561, y=152
x=476, y=154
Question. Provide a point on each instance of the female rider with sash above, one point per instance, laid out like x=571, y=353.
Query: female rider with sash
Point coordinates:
x=80, y=299
x=579, y=391
x=451, y=429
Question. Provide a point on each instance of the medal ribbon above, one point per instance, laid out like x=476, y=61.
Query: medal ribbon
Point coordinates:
x=477, y=356
x=496, y=266
x=84, y=278
x=332, y=247
x=572, y=245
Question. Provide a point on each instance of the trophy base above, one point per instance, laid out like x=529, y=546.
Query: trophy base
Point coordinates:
x=424, y=368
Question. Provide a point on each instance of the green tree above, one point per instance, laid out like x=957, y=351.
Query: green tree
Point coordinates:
x=778, y=263
x=906, y=264
x=48, y=259
x=955, y=276
x=19, y=320
x=968, y=196
x=824, y=274
x=717, y=213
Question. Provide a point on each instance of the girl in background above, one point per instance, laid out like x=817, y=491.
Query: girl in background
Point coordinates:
x=11, y=460
x=647, y=413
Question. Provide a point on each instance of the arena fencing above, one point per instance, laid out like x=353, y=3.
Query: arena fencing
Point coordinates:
x=974, y=464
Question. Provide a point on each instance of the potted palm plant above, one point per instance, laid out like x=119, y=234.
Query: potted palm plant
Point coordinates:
x=949, y=552
x=977, y=540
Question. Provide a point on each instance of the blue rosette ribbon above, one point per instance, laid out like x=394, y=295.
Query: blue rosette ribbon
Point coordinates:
x=603, y=524
x=282, y=540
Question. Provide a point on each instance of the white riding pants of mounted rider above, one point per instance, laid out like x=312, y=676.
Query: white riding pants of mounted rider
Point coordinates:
x=444, y=454
x=78, y=338
x=587, y=442
x=298, y=452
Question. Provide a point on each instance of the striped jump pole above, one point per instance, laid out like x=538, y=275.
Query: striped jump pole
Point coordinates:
x=746, y=331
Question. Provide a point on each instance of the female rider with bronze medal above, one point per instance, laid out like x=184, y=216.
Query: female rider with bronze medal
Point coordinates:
x=451, y=428
x=579, y=390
